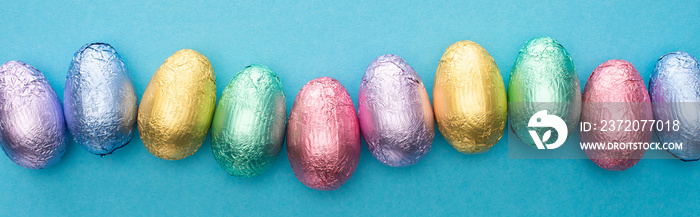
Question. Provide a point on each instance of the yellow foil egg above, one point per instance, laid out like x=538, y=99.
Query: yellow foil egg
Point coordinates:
x=177, y=108
x=469, y=98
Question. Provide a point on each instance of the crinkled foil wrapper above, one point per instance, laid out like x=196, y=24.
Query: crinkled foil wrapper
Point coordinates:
x=178, y=106
x=394, y=110
x=32, y=129
x=469, y=98
x=323, y=135
x=675, y=95
x=615, y=91
x=248, y=127
x=543, y=73
x=99, y=99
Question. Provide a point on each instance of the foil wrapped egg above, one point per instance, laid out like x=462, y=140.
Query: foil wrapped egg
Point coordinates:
x=469, y=98
x=99, y=100
x=615, y=91
x=323, y=135
x=177, y=107
x=32, y=129
x=248, y=128
x=543, y=78
x=394, y=110
x=674, y=89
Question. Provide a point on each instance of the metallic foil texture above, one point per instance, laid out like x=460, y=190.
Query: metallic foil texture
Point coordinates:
x=543, y=78
x=99, y=99
x=32, y=129
x=394, y=110
x=323, y=135
x=248, y=128
x=674, y=89
x=469, y=98
x=178, y=105
x=615, y=91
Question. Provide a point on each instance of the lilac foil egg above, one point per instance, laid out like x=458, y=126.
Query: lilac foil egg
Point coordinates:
x=615, y=91
x=32, y=128
x=323, y=135
x=396, y=118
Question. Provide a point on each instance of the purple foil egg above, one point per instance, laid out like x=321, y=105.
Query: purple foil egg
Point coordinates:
x=396, y=118
x=615, y=91
x=323, y=135
x=32, y=128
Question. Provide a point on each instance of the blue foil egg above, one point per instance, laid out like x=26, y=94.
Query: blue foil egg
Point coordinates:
x=99, y=99
x=674, y=89
x=395, y=115
x=32, y=128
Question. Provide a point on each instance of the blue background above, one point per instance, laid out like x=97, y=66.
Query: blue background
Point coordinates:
x=305, y=40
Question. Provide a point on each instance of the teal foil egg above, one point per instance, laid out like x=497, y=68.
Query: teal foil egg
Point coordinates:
x=543, y=78
x=249, y=123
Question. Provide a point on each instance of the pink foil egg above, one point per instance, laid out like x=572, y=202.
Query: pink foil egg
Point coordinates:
x=323, y=135
x=615, y=91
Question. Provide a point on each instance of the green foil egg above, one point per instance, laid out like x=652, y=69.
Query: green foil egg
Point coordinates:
x=249, y=123
x=543, y=78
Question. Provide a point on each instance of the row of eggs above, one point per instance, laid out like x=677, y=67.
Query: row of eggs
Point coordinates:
x=394, y=114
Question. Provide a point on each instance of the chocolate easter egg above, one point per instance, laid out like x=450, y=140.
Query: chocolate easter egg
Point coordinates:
x=99, y=100
x=615, y=91
x=32, y=129
x=248, y=128
x=394, y=110
x=323, y=135
x=469, y=98
x=177, y=107
x=543, y=78
x=674, y=89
